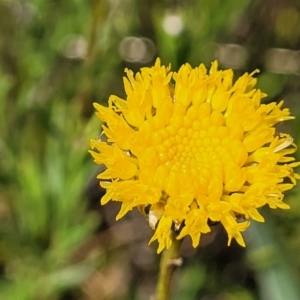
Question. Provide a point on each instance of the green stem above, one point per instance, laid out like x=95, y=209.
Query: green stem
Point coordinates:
x=169, y=261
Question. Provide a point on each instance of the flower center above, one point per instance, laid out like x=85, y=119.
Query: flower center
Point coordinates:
x=198, y=153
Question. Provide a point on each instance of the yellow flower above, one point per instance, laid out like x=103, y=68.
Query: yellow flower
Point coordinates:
x=191, y=147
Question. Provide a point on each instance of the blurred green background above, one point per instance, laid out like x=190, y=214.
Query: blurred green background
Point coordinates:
x=56, y=59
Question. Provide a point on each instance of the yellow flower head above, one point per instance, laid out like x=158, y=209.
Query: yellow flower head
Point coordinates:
x=191, y=147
